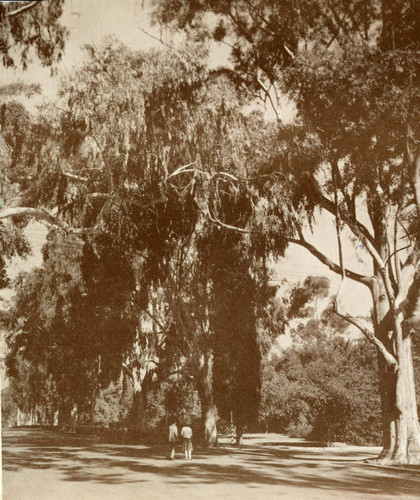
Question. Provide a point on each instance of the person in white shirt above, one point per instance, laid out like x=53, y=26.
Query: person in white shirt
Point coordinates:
x=186, y=433
x=173, y=439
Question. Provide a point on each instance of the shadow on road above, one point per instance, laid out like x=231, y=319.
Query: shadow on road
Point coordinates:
x=80, y=460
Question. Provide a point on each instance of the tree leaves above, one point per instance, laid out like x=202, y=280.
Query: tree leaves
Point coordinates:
x=32, y=31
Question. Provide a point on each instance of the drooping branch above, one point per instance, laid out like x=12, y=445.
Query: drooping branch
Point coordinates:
x=182, y=170
x=43, y=216
x=46, y=217
x=219, y=223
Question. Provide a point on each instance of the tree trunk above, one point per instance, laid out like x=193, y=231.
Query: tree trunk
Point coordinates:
x=208, y=408
x=399, y=407
x=138, y=413
x=64, y=415
x=92, y=404
x=239, y=434
x=141, y=386
x=209, y=415
x=401, y=431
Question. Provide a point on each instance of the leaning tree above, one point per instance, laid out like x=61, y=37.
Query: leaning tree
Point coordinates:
x=351, y=68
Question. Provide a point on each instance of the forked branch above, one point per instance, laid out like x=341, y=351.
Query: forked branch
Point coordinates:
x=389, y=358
x=370, y=335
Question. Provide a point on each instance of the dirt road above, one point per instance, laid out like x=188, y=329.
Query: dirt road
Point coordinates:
x=44, y=465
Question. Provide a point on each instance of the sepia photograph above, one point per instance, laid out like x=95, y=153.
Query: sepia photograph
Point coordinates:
x=210, y=249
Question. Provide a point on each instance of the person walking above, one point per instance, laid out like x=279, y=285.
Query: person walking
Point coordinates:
x=173, y=439
x=186, y=433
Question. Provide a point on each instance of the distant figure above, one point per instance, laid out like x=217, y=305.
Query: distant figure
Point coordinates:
x=173, y=439
x=186, y=433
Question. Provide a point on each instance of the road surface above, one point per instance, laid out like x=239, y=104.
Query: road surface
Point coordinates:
x=45, y=465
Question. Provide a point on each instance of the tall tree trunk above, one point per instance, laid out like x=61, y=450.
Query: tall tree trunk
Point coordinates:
x=401, y=431
x=208, y=408
x=399, y=410
x=141, y=385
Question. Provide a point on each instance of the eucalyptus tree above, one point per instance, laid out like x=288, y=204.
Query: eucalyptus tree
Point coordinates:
x=238, y=296
x=351, y=68
x=121, y=160
x=70, y=319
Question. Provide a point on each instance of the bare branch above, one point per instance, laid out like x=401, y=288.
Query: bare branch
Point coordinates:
x=416, y=182
x=414, y=161
x=365, y=280
x=217, y=221
x=155, y=319
x=226, y=174
x=395, y=253
x=171, y=47
x=98, y=195
x=408, y=277
x=46, y=217
x=21, y=10
x=182, y=170
x=37, y=213
x=352, y=222
x=268, y=95
x=157, y=201
x=75, y=177
x=370, y=335
x=288, y=50
x=389, y=358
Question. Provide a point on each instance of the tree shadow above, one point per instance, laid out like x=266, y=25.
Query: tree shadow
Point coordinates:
x=298, y=444
x=251, y=466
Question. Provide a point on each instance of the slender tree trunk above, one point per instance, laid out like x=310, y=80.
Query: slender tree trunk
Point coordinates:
x=92, y=405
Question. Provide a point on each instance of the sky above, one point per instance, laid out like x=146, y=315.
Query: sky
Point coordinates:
x=91, y=20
